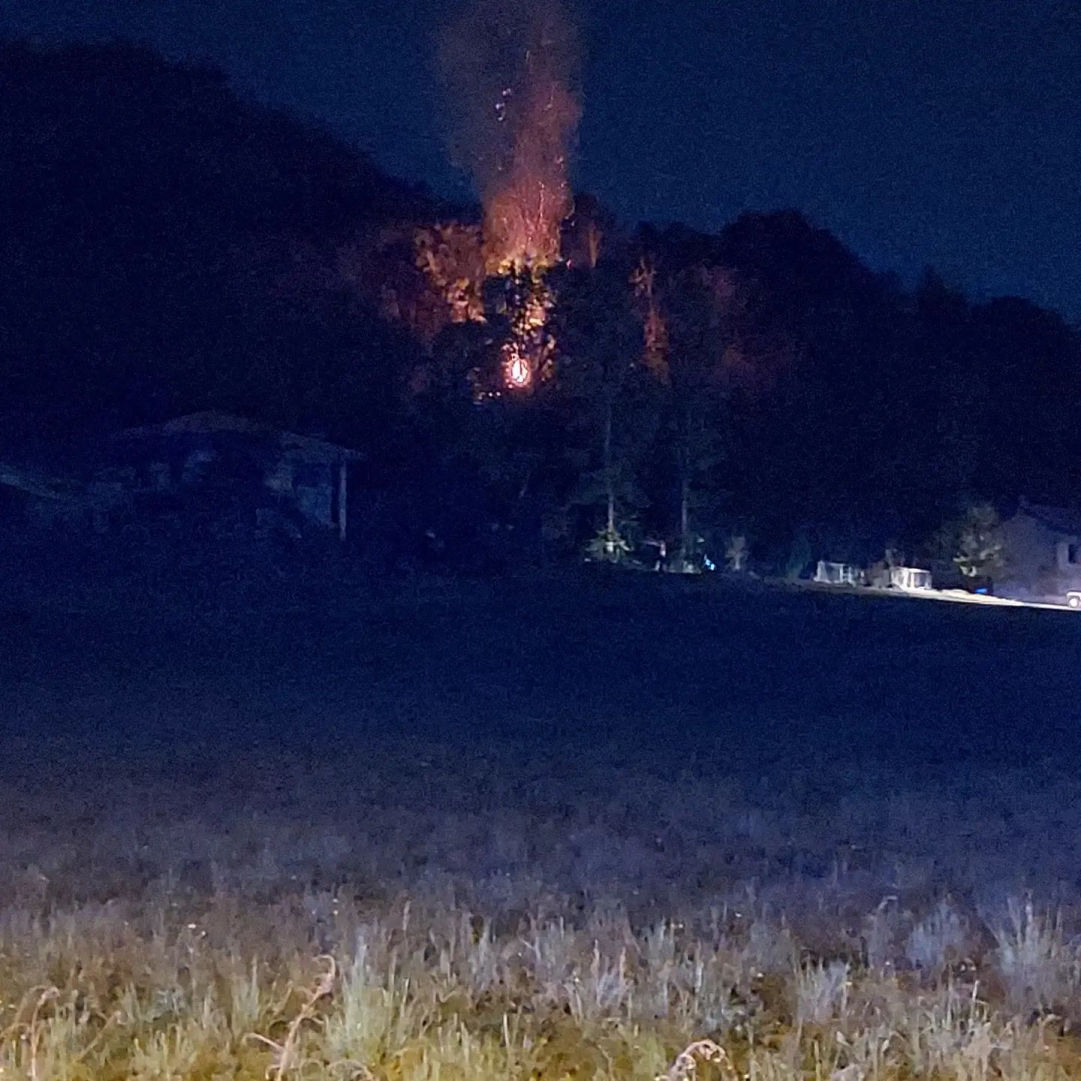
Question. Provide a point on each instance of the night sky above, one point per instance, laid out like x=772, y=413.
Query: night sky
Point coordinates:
x=944, y=133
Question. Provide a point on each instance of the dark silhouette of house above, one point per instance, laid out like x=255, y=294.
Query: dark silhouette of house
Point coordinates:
x=1041, y=550
x=206, y=463
x=263, y=467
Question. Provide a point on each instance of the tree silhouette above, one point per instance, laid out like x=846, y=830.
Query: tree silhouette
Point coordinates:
x=598, y=341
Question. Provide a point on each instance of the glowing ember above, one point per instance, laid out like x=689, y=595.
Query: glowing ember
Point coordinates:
x=519, y=375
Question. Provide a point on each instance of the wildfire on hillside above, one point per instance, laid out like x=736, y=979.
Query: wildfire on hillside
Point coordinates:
x=511, y=72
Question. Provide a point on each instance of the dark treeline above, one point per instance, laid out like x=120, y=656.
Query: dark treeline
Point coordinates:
x=168, y=247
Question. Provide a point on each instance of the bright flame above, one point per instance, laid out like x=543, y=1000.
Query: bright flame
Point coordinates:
x=526, y=206
x=511, y=68
x=519, y=375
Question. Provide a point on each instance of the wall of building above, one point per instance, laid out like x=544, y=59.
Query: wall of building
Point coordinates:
x=1038, y=562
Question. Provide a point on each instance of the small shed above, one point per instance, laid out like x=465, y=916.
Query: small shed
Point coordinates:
x=306, y=473
x=838, y=574
x=909, y=578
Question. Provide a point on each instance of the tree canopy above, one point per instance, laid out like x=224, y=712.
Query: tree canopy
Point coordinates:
x=169, y=246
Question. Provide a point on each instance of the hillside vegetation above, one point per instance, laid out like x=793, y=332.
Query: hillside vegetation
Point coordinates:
x=170, y=247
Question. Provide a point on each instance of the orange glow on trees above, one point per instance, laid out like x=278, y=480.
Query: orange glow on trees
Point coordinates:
x=450, y=255
x=527, y=353
x=654, y=324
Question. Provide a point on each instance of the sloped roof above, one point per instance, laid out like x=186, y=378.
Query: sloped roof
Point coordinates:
x=39, y=483
x=211, y=422
x=1065, y=520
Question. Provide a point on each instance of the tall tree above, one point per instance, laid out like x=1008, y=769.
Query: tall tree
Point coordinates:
x=598, y=342
x=699, y=302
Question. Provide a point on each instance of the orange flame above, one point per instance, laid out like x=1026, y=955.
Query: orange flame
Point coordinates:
x=511, y=72
x=525, y=210
x=516, y=368
x=528, y=351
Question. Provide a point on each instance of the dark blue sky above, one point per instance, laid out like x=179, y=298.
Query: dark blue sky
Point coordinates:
x=919, y=131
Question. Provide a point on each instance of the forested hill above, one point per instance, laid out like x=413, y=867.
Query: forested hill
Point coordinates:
x=153, y=224
x=168, y=246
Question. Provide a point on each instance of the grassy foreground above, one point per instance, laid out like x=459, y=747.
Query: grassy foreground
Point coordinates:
x=540, y=832
x=207, y=933
x=241, y=991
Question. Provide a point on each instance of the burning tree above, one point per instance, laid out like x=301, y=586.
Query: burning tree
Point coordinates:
x=511, y=74
x=526, y=206
x=527, y=352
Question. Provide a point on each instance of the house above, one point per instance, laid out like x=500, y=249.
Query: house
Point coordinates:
x=1041, y=550
x=203, y=461
x=267, y=469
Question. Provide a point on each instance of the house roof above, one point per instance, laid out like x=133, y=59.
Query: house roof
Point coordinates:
x=1065, y=520
x=212, y=422
x=37, y=482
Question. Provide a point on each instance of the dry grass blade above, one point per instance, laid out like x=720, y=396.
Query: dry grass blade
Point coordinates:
x=286, y=1053
x=46, y=994
x=685, y=1066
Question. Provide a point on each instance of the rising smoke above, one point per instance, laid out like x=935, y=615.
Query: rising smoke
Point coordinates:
x=511, y=73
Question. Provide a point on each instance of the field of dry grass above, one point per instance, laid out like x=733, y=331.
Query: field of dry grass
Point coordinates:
x=399, y=917
x=516, y=893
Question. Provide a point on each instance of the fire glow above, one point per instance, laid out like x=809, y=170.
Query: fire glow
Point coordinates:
x=518, y=372
x=529, y=347
x=511, y=70
x=524, y=212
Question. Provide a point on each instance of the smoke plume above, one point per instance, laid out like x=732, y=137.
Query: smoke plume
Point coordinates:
x=511, y=69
